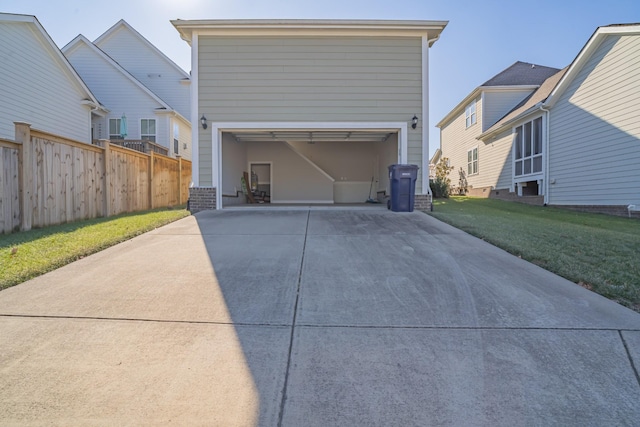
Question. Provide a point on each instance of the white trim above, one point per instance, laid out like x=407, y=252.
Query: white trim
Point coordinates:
x=195, y=120
x=302, y=27
x=479, y=90
x=218, y=127
x=426, y=189
x=135, y=32
x=583, y=57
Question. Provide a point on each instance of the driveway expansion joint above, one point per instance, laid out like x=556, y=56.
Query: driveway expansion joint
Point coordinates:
x=293, y=325
x=630, y=357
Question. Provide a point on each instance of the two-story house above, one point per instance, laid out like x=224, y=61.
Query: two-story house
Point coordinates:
x=573, y=142
x=147, y=94
x=482, y=165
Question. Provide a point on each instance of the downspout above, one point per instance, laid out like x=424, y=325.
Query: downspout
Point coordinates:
x=426, y=44
x=546, y=154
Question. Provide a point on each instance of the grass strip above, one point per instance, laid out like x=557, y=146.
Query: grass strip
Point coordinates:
x=28, y=254
x=599, y=252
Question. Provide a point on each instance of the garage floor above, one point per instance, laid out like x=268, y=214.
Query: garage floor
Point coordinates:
x=313, y=317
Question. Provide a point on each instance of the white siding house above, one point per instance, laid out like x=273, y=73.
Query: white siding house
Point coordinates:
x=148, y=65
x=486, y=164
x=589, y=134
x=308, y=89
x=148, y=115
x=38, y=85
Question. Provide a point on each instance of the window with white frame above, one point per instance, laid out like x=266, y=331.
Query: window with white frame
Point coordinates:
x=472, y=161
x=470, y=114
x=528, y=148
x=176, y=137
x=148, y=129
x=114, y=129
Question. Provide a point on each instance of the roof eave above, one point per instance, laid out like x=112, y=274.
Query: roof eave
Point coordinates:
x=585, y=53
x=431, y=29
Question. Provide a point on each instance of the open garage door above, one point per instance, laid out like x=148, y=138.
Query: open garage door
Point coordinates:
x=306, y=165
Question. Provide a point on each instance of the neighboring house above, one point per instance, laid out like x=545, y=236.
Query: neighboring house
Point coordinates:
x=433, y=162
x=483, y=165
x=139, y=85
x=575, y=142
x=39, y=86
x=318, y=110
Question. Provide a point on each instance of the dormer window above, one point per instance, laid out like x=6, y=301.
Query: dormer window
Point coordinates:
x=470, y=114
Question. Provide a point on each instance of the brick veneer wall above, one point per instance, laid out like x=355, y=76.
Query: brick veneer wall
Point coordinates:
x=202, y=199
x=422, y=202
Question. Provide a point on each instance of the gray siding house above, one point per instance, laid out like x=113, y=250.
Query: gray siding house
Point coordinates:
x=576, y=140
x=316, y=110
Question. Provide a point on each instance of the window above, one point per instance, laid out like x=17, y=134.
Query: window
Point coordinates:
x=148, y=129
x=176, y=138
x=528, y=148
x=472, y=161
x=470, y=114
x=114, y=129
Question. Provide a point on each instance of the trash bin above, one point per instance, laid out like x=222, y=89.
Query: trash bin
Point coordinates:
x=402, y=179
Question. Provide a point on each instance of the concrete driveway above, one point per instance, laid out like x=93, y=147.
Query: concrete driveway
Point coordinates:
x=313, y=317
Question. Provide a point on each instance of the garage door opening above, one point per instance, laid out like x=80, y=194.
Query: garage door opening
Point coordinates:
x=295, y=166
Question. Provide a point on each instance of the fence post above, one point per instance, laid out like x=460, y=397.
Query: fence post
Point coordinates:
x=107, y=176
x=151, y=189
x=179, y=158
x=25, y=174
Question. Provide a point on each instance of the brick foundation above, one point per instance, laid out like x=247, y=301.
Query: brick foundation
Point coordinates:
x=513, y=197
x=617, y=210
x=422, y=202
x=202, y=199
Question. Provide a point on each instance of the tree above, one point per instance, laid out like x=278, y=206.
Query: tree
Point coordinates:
x=441, y=185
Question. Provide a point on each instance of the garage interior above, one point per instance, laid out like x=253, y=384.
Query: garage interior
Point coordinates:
x=306, y=166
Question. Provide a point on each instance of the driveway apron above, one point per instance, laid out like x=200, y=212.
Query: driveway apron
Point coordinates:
x=313, y=317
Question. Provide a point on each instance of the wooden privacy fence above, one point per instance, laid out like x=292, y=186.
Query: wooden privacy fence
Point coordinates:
x=47, y=180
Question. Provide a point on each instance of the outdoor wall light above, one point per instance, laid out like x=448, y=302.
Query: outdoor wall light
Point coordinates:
x=414, y=122
x=203, y=121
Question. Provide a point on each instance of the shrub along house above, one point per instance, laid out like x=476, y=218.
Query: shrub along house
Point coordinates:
x=316, y=109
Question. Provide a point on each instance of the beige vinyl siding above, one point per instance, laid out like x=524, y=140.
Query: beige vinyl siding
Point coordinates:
x=595, y=131
x=495, y=162
x=497, y=104
x=456, y=139
x=316, y=79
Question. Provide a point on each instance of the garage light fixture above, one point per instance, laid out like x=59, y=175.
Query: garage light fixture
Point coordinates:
x=203, y=121
x=414, y=122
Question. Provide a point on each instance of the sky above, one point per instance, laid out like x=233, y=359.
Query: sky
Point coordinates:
x=483, y=37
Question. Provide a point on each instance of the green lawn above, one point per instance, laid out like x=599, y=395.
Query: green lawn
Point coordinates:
x=599, y=252
x=29, y=254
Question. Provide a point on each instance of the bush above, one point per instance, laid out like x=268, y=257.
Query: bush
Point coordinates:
x=439, y=188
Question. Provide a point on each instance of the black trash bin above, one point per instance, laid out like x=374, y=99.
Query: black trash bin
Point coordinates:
x=402, y=179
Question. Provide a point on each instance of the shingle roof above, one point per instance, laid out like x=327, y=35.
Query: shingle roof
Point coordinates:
x=539, y=95
x=521, y=73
